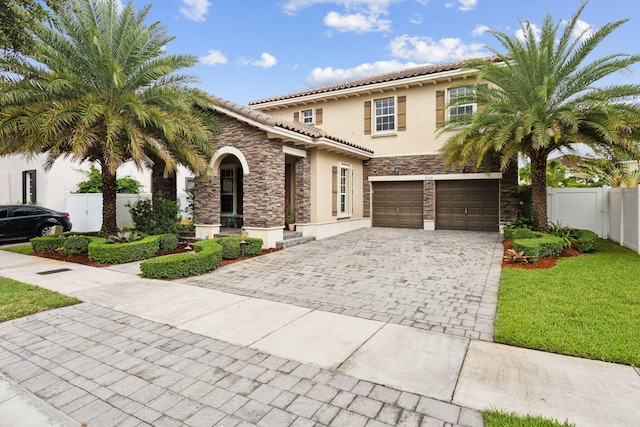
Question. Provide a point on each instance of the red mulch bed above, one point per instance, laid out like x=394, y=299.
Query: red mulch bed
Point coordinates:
x=84, y=258
x=542, y=262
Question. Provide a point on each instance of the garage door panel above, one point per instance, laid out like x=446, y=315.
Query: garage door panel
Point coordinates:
x=398, y=204
x=467, y=205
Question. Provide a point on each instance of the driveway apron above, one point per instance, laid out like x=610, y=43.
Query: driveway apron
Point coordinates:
x=442, y=281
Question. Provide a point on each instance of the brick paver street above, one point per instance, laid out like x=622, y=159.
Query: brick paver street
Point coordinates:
x=443, y=281
x=107, y=368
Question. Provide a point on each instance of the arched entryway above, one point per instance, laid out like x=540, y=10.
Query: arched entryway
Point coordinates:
x=231, y=167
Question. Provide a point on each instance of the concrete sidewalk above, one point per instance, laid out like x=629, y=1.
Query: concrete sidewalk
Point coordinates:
x=457, y=371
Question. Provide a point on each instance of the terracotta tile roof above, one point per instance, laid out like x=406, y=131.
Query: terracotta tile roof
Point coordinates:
x=275, y=122
x=380, y=78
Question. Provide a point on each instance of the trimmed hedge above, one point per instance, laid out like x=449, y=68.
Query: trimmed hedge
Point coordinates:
x=75, y=245
x=54, y=242
x=120, y=253
x=168, y=242
x=586, y=240
x=230, y=248
x=207, y=257
x=48, y=243
x=539, y=247
x=525, y=233
x=253, y=245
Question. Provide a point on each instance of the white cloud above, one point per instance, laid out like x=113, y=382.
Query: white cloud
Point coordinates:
x=358, y=16
x=214, y=57
x=416, y=19
x=425, y=49
x=582, y=30
x=356, y=22
x=292, y=6
x=466, y=5
x=480, y=30
x=195, y=10
x=329, y=75
x=266, y=61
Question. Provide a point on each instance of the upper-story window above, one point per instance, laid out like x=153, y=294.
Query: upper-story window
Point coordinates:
x=306, y=117
x=311, y=116
x=385, y=115
x=463, y=107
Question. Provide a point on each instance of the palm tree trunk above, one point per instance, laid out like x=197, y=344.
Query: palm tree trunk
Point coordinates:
x=109, y=225
x=539, y=193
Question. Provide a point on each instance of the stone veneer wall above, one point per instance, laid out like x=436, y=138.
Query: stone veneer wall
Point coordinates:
x=263, y=186
x=431, y=164
x=160, y=185
x=303, y=188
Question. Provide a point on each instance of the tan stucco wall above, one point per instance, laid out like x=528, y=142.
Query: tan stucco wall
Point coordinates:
x=419, y=138
x=322, y=163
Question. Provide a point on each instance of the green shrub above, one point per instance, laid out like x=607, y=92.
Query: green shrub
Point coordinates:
x=525, y=233
x=120, y=253
x=207, y=257
x=159, y=217
x=230, y=248
x=48, y=243
x=168, y=242
x=539, y=247
x=74, y=245
x=253, y=245
x=586, y=240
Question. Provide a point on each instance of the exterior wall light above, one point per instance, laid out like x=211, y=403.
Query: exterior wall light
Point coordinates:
x=397, y=169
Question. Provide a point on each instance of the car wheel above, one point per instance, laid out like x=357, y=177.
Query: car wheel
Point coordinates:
x=46, y=230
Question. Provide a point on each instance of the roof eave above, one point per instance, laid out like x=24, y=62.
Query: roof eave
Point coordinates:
x=368, y=89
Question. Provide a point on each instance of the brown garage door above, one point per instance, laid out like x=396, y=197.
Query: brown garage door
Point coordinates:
x=467, y=205
x=398, y=204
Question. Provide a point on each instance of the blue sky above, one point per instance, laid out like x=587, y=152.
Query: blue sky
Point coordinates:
x=253, y=49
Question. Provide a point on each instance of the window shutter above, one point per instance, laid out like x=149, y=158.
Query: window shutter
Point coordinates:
x=318, y=116
x=480, y=107
x=402, y=113
x=296, y=116
x=334, y=189
x=439, y=108
x=367, y=118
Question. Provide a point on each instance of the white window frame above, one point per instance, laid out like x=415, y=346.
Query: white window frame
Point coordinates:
x=345, y=190
x=311, y=116
x=450, y=96
x=374, y=116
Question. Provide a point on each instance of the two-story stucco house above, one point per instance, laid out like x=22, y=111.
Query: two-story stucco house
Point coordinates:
x=356, y=154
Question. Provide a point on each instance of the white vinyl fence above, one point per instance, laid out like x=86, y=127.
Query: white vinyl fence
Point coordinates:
x=613, y=213
x=85, y=210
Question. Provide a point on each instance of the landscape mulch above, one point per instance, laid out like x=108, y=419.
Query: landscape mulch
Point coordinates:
x=541, y=263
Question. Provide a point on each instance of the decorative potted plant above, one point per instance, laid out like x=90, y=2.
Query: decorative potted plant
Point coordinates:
x=290, y=218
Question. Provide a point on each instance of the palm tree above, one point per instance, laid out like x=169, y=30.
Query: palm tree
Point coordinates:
x=99, y=86
x=541, y=98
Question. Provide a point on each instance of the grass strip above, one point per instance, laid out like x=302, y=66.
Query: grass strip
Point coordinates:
x=22, y=249
x=20, y=299
x=493, y=418
x=587, y=306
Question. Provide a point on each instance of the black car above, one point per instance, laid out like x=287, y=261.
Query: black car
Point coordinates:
x=26, y=221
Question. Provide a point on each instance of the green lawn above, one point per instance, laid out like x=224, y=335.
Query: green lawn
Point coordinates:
x=503, y=419
x=587, y=306
x=23, y=249
x=19, y=299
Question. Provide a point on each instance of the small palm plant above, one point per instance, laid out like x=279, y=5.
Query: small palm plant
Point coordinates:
x=123, y=237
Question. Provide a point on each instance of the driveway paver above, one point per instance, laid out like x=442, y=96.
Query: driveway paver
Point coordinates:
x=106, y=368
x=443, y=281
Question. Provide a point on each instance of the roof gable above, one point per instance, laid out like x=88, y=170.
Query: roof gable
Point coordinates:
x=305, y=134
